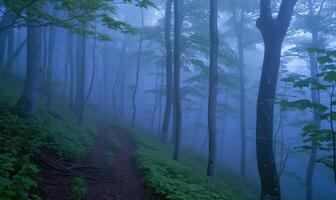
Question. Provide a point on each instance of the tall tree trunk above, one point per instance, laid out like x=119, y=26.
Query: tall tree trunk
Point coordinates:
x=160, y=100
x=135, y=90
x=177, y=68
x=94, y=66
x=239, y=34
x=273, y=32
x=316, y=117
x=45, y=49
x=156, y=102
x=10, y=47
x=16, y=53
x=69, y=39
x=213, y=89
x=80, y=85
x=3, y=40
x=122, y=87
x=27, y=103
x=105, y=83
x=116, y=80
x=169, y=72
x=5, y=35
x=50, y=65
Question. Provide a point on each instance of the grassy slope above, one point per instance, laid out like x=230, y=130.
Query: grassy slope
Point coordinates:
x=55, y=129
x=184, y=180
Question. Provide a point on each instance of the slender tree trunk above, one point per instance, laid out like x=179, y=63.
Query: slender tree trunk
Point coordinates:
x=213, y=89
x=27, y=104
x=116, y=80
x=122, y=88
x=16, y=53
x=50, y=65
x=160, y=101
x=3, y=39
x=169, y=72
x=72, y=70
x=5, y=35
x=80, y=85
x=105, y=84
x=10, y=47
x=93, y=75
x=273, y=32
x=316, y=117
x=135, y=90
x=45, y=49
x=66, y=71
x=156, y=102
x=177, y=68
x=240, y=45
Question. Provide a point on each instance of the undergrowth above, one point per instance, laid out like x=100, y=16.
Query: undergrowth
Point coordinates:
x=53, y=128
x=79, y=188
x=178, y=180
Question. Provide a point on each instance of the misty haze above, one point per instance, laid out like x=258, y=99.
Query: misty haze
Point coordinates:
x=167, y=99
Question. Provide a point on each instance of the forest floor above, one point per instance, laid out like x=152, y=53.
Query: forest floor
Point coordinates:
x=118, y=180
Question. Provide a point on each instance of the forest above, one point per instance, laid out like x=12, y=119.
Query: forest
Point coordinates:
x=167, y=99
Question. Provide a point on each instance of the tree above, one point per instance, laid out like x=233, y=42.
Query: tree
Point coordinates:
x=213, y=87
x=27, y=103
x=135, y=89
x=273, y=32
x=50, y=64
x=169, y=72
x=177, y=112
x=80, y=77
x=69, y=39
x=314, y=18
x=242, y=16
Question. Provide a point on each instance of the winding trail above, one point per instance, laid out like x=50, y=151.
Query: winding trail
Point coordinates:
x=118, y=180
x=121, y=181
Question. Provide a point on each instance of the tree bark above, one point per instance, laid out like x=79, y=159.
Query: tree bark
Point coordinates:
x=135, y=90
x=50, y=65
x=316, y=117
x=10, y=46
x=240, y=46
x=80, y=85
x=45, y=49
x=27, y=103
x=69, y=39
x=115, y=84
x=169, y=72
x=213, y=89
x=156, y=101
x=273, y=32
x=93, y=75
x=177, y=118
x=16, y=53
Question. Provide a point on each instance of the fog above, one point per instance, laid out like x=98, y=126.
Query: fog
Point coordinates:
x=112, y=64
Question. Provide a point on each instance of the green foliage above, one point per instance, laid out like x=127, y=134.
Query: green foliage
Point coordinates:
x=54, y=129
x=18, y=140
x=79, y=188
x=79, y=16
x=175, y=180
x=325, y=81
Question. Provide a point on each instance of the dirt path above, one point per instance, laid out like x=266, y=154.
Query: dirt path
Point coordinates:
x=119, y=180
